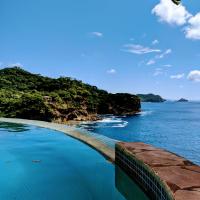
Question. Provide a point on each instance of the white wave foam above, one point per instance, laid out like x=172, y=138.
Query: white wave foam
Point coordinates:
x=145, y=113
x=106, y=122
x=124, y=124
x=111, y=120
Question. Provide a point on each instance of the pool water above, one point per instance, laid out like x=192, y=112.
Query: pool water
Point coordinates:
x=42, y=164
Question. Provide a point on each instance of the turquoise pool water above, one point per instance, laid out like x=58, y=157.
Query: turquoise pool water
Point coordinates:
x=42, y=164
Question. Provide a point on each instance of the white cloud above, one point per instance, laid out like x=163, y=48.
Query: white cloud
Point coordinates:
x=167, y=65
x=15, y=65
x=168, y=51
x=97, y=34
x=192, y=31
x=151, y=62
x=168, y=12
x=111, y=71
x=177, y=76
x=139, y=49
x=194, y=76
x=160, y=56
x=158, y=71
x=155, y=42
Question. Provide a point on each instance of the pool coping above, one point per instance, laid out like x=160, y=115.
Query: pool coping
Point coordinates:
x=160, y=173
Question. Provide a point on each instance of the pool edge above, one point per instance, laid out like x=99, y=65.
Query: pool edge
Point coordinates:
x=107, y=152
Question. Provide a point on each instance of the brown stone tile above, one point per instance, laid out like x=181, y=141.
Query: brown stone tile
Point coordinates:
x=181, y=177
x=187, y=195
x=194, y=168
x=160, y=158
x=196, y=189
x=136, y=147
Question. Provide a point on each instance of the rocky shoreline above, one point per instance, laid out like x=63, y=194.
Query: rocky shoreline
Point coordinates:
x=31, y=96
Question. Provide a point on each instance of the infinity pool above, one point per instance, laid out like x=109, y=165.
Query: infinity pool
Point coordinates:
x=42, y=164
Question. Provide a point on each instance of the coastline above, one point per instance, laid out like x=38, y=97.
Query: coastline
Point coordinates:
x=95, y=143
x=172, y=175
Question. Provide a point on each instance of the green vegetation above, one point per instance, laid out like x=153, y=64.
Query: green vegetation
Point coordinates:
x=150, y=98
x=32, y=96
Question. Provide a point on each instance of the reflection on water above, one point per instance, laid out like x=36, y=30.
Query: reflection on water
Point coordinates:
x=128, y=188
x=12, y=127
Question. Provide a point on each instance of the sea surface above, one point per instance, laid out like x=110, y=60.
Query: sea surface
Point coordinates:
x=174, y=126
x=42, y=164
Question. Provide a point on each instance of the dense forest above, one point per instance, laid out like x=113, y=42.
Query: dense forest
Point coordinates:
x=150, y=98
x=32, y=96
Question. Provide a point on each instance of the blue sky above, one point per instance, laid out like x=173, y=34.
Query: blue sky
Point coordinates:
x=121, y=46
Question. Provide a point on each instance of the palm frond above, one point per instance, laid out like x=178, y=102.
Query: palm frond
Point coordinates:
x=177, y=2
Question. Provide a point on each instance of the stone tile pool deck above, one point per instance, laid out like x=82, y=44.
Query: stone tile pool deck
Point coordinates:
x=161, y=174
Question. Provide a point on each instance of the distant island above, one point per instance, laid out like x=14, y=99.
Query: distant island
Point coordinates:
x=150, y=98
x=32, y=96
x=182, y=100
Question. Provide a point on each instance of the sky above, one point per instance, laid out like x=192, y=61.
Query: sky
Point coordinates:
x=145, y=46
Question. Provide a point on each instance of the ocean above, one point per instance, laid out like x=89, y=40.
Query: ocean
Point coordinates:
x=174, y=126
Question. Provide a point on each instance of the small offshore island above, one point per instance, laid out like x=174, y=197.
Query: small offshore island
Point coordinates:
x=151, y=98
x=182, y=100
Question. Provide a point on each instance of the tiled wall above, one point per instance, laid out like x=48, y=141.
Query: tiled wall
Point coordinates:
x=138, y=171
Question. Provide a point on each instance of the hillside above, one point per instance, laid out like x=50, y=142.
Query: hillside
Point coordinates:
x=32, y=96
x=150, y=98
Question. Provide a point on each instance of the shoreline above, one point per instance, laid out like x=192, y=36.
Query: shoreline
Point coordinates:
x=71, y=131
x=148, y=166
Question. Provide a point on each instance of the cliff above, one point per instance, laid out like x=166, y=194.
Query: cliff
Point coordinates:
x=32, y=96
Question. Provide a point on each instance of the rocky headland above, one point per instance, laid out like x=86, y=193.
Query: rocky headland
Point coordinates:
x=32, y=96
x=151, y=98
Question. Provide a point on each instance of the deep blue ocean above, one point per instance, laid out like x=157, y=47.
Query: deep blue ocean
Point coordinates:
x=174, y=126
